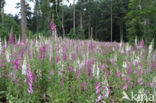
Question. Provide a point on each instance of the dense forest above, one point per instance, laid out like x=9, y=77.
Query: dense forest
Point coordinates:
x=103, y=20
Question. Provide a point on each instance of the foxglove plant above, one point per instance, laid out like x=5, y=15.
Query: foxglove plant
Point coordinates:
x=70, y=69
x=30, y=78
x=7, y=56
x=53, y=27
x=84, y=85
x=24, y=66
x=16, y=63
x=101, y=95
x=11, y=38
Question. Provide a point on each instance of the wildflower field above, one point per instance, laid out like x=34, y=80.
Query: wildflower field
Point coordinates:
x=59, y=70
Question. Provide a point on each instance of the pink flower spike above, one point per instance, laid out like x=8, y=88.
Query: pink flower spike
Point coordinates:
x=52, y=72
x=52, y=25
x=70, y=69
x=25, y=80
x=103, y=102
x=125, y=87
x=130, y=70
x=98, y=91
x=83, y=85
x=44, y=96
x=93, y=62
x=77, y=75
x=151, y=84
x=97, y=85
x=57, y=60
x=118, y=74
x=30, y=91
x=16, y=62
x=99, y=98
x=86, y=86
x=30, y=77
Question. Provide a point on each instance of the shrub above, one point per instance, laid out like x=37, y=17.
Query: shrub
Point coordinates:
x=79, y=34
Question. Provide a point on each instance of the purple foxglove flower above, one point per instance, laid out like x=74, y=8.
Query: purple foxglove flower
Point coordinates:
x=70, y=69
x=154, y=66
x=142, y=43
x=62, y=83
x=57, y=59
x=52, y=25
x=125, y=87
x=77, y=74
x=152, y=84
x=64, y=55
x=29, y=75
x=118, y=74
x=130, y=70
x=103, y=102
x=140, y=81
x=148, y=68
x=97, y=85
x=33, y=76
x=16, y=62
x=52, y=72
x=84, y=86
x=88, y=68
x=74, y=56
x=43, y=51
x=44, y=96
x=98, y=91
x=25, y=80
x=99, y=98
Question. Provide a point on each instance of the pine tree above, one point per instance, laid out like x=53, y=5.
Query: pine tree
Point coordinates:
x=23, y=19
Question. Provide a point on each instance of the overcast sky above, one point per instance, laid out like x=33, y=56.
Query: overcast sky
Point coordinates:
x=10, y=5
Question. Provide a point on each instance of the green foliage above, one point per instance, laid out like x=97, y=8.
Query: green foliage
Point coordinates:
x=9, y=23
x=140, y=20
x=154, y=43
x=129, y=17
x=3, y=31
x=79, y=33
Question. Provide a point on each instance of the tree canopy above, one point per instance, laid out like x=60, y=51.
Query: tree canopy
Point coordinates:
x=130, y=19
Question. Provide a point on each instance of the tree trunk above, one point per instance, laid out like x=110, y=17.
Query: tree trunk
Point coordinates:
x=74, y=16
x=91, y=33
x=111, y=21
x=37, y=12
x=95, y=33
x=146, y=20
x=121, y=32
x=81, y=25
x=89, y=30
x=48, y=3
x=23, y=19
x=63, y=23
x=57, y=2
x=2, y=12
x=37, y=24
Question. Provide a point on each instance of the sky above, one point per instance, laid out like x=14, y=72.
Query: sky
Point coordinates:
x=10, y=5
